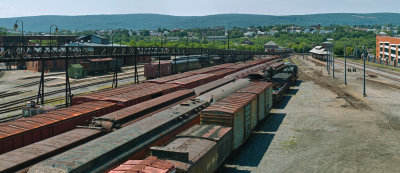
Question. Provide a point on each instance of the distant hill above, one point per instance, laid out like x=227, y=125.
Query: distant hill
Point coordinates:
x=154, y=21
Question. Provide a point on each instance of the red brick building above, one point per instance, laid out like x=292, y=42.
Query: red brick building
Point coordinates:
x=387, y=49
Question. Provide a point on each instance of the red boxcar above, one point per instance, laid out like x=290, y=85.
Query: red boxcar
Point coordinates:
x=144, y=94
x=193, y=81
x=24, y=131
x=170, y=78
x=108, y=93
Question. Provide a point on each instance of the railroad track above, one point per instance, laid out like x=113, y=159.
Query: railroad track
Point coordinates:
x=9, y=106
x=5, y=94
x=34, y=83
x=37, y=77
x=353, y=65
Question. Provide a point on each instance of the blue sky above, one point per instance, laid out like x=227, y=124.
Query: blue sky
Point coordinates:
x=17, y=8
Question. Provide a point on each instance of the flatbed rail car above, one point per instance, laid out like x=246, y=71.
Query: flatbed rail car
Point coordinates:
x=25, y=131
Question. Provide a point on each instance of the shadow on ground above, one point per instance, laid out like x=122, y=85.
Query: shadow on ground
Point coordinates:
x=284, y=101
x=297, y=83
x=251, y=153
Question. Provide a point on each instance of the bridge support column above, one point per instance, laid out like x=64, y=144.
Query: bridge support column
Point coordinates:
x=68, y=94
x=136, y=73
x=40, y=95
x=115, y=76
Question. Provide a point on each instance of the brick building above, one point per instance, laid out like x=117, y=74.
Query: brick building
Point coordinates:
x=387, y=49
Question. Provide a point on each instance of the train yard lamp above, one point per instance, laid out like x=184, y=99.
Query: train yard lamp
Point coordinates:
x=22, y=34
x=228, y=39
x=345, y=65
x=364, y=57
x=55, y=30
x=22, y=29
x=115, y=76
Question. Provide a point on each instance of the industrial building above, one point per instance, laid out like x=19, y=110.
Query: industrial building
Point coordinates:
x=387, y=49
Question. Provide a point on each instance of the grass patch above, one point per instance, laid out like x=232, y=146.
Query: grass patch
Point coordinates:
x=290, y=143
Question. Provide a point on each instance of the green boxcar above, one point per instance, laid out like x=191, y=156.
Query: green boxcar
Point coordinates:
x=76, y=71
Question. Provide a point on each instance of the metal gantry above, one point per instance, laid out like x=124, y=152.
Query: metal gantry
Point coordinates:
x=42, y=54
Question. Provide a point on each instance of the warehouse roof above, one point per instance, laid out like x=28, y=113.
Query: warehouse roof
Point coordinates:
x=319, y=50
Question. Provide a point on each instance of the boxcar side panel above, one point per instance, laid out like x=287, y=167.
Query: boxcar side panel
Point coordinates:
x=262, y=105
x=247, y=120
x=254, y=113
x=238, y=129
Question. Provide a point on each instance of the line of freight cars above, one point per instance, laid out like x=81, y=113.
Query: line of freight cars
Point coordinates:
x=64, y=120
x=184, y=63
x=224, y=127
x=243, y=110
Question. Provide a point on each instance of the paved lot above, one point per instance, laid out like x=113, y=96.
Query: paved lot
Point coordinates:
x=325, y=126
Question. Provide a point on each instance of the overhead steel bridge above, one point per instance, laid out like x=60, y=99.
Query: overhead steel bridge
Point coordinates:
x=40, y=53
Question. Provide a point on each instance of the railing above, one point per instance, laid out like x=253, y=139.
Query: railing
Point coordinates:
x=39, y=53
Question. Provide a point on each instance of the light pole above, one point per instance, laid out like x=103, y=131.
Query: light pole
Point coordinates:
x=22, y=29
x=55, y=30
x=115, y=76
x=22, y=35
x=364, y=57
x=345, y=65
x=228, y=38
x=333, y=63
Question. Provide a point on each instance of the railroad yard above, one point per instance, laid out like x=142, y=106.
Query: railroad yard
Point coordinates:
x=323, y=125
x=152, y=117
x=261, y=113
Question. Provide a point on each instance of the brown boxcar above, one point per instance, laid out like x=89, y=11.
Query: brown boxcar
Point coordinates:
x=151, y=69
x=22, y=132
x=233, y=111
x=261, y=89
